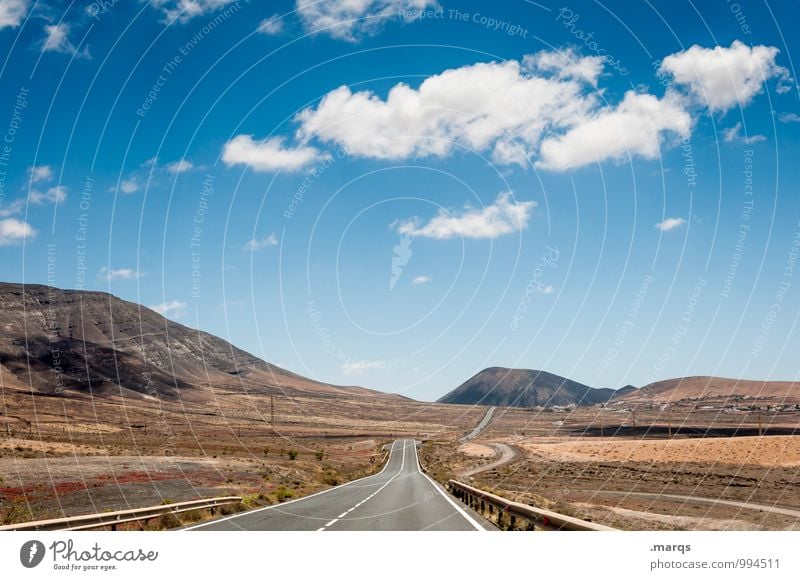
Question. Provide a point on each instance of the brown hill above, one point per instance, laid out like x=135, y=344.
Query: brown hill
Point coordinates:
x=60, y=341
x=503, y=387
x=672, y=390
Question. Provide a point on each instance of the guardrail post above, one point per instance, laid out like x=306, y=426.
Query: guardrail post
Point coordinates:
x=483, y=506
x=512, y=522
x=500, y=519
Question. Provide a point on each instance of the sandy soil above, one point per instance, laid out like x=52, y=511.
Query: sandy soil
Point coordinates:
x=775, y=451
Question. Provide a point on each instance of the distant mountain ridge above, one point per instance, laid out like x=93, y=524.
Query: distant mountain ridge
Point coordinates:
x=707, y=387
x=61, y=341
x=504, y=387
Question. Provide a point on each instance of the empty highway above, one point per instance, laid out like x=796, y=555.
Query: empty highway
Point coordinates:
x=398, y=498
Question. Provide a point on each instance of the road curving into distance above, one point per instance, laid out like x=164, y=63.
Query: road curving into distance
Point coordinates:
x=399, y=498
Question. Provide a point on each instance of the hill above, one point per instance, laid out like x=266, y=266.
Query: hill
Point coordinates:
x=705, y=388
x=60, y=341
x=503, y=387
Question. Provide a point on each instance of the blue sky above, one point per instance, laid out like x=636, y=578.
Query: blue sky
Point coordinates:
x=399, y=193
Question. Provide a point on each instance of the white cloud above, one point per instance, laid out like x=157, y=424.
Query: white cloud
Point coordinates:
x=349, y=19
x=497, y=107
x=130, y=185
x=12, y=208
x=358, y=367
x=734, y=135
x=505, y=216
x=176, y=308
x=421, y=280
x=57, y=40
x=184, y=10
x=40, y=173
x=257, y=244
x=56, y=194
x=566, y=64
x=670, y=224
x=635, y=127
x=546, y=109
x=545, y=289
x=120, y=274
x=269, y=154
x=13, y=12
x=722, y=78
x=180, y=166
x=13, y=231
x=271, y=26
x=789, y=118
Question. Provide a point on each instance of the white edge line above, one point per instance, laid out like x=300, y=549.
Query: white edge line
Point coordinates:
x=469, y=518
x=269, y=507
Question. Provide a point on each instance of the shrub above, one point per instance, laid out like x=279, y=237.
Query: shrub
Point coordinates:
x=282, y=494
x=192, y=516
x=320, y=455
x=168, y=521
x=266, y=451
x=292, y=454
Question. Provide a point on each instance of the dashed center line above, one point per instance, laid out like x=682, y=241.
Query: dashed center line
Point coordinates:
x=376, y=492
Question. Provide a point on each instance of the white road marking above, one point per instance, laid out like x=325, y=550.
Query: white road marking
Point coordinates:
x=475, y=524
x=330, y=523
x=269, y=507
x=376, y=492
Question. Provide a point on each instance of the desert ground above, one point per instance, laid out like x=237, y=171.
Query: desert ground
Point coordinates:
x=86, y=455
x=689, y=470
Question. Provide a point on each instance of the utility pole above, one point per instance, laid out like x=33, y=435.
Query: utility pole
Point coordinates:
x=633, y=418
x=760, y=428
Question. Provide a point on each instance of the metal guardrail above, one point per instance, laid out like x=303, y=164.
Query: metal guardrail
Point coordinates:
x=508, y=512
x=112, y=519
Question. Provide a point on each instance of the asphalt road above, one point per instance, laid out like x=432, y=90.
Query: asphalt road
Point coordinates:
x=503, y=453
x=398, y=498
x=480, y=427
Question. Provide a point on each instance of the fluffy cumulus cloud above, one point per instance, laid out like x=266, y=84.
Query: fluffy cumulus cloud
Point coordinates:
x=269, y=154
x=722, y=78
x=350, y=19
x=13, y=231
x=504, y=216
x=670, y=224
x=111, y=274
x=546, y=109
x=500, y=107
x=257, y=244
x=13, y=12
x=57, y=40
x=174, y=309
x=636, y=126
x=185, y=10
